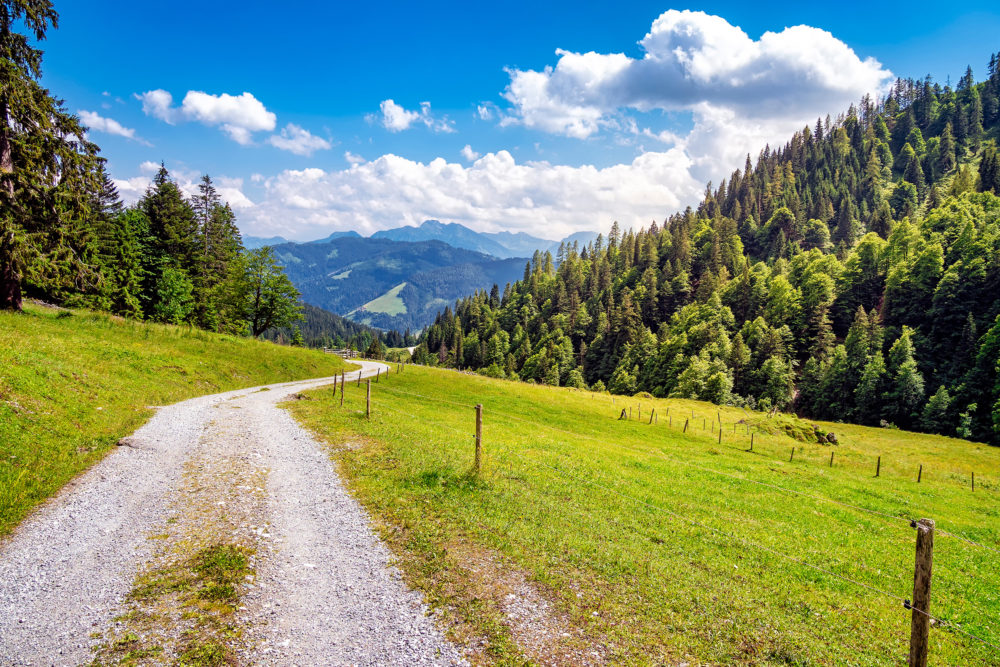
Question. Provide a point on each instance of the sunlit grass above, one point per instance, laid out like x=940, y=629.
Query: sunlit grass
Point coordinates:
x=669, y=546
x=74, y=383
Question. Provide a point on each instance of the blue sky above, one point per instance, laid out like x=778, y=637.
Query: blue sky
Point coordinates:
x=287, y=105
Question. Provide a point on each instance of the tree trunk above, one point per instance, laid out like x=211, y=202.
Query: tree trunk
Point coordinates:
x=10, y=281
x=6, y=154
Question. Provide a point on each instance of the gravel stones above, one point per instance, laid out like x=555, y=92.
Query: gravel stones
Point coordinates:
x=324, y=593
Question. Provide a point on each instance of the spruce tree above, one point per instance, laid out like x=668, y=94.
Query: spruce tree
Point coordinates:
x=907, y=393
x=946, y=150
x=989, y=170
x=172, y=222
x=47, y=170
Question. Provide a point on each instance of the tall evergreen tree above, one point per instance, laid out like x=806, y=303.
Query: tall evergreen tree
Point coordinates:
x=47, y=170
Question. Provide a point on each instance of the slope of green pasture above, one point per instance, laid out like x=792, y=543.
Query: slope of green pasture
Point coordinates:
x=662, y=546
x=72, y=383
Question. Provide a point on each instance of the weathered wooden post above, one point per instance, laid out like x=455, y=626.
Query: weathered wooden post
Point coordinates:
x=720, y=434
x=685, y=426
x=973, y=481
x=792, y=455
x=831, y=459
x=751, y=441
x=343, y=376
x=878, y=466
x=921, y=605
x=368, y=399
x=479, y=436
x=920, y=473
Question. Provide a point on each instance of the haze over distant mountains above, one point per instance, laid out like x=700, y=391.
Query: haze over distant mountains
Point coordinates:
x=401, y=278
x=390, y=284
x=498, y=244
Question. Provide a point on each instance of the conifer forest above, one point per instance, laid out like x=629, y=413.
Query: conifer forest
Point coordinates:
x=851, y=274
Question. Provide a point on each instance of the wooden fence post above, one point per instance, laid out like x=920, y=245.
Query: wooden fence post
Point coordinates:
x=651, y=414
x=368, y=399
x=685, y=426
x=920, y=473
x=359, y=378
x=878, y=466
x=342, y=378
x=831, y=459
x=973, y=481
x=479, y=436
x=720, y=434
x=751, y=441
x=792, y=455
x=919, y=619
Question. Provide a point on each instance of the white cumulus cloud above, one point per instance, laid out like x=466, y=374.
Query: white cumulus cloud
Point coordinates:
x=230, y=189
x=95, y=121
x=298, y=140
x=158, y=104
x=495, y=193
x=691, y=60
x=469, y=154
x=239, y=116
x=395, y=118
x=741, y=93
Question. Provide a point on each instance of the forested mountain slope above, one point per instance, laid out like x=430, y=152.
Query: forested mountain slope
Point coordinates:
x=853, y=273
x=389, y=284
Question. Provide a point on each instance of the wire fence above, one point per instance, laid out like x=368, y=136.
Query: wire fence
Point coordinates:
x=609, y=487
x=907, y=520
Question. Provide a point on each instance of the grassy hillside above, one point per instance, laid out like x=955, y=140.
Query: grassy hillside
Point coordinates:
x=389, y=303
x=655, y=546
x=72, y=383
x=347, y=273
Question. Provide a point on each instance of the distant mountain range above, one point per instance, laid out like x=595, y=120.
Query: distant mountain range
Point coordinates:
x=401, y=278
x=254, y=242
x=499, y=244
x=390, y=284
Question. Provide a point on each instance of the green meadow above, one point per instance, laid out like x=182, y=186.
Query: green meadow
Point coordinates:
x=653, y=545
x=72, y=383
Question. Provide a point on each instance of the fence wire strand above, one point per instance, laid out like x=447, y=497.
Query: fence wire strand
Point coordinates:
x=732, y=536
x=660, y=454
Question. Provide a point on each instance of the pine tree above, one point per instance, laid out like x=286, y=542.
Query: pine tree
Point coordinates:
x=936, y=415
x=47, y=170
x=946, y=150
x=989, y=170
x=218, y=242
x=975, y=120
x=871, y=390
x=172, y=222
x=907, y=392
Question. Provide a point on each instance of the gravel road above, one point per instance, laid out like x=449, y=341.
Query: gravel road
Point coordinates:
x=325, y=592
